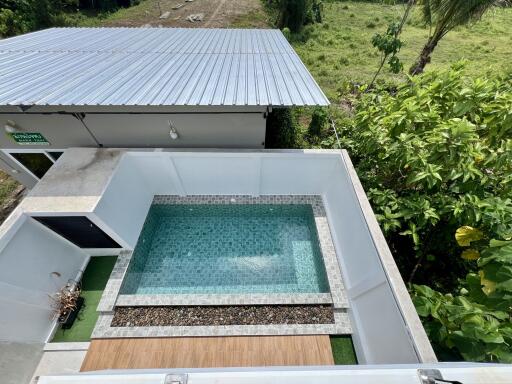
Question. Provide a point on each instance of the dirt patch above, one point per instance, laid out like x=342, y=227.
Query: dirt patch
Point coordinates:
x=216, y=14
x=222, y=315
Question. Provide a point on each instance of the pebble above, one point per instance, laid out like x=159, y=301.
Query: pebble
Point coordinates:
x=222, y=315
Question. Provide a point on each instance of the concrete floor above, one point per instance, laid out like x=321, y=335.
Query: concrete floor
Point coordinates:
x=59, y=363
x=18, y=361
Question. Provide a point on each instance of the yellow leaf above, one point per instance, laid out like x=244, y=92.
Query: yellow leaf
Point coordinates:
x=466, y=234
x=488, y=286
x=470, y=254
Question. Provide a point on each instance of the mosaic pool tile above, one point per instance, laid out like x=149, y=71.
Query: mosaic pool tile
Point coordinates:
x=227, y=248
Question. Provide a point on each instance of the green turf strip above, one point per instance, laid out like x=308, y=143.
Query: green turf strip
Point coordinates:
x=94, y=279
x=343, y=350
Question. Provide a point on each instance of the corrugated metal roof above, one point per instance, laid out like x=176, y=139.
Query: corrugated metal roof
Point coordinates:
x=154, y=66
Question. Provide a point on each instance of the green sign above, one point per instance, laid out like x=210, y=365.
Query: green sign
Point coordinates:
x=29, y=138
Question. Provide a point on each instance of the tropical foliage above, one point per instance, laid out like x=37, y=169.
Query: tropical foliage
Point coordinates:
x=443, y=16
x=19, y=16
x=434, y=155
x=476, y=323
x=294, y=14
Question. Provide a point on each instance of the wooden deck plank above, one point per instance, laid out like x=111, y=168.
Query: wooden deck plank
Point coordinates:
x=208, y=352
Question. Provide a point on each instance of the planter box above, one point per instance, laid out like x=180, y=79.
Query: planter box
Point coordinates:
x=67, y=321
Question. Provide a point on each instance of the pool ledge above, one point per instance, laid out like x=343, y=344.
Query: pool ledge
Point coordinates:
x=223, y=299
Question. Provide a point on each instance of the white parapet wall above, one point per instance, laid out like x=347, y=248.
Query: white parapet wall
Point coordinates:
x=34, y=264
x=386, y=326
x=114, y=188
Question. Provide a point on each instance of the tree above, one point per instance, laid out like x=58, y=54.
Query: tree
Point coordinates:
x=292, y=14
x=389, y=44
x=443, y=16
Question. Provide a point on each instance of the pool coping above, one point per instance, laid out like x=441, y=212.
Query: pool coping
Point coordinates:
x=111, y=296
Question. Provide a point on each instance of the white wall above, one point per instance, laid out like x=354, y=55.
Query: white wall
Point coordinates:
x=29, y=253
x=222, y=130
x=383, y=321
x=221, y=127
x=125, y=203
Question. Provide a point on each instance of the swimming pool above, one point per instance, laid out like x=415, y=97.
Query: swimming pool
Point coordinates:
x=227, y=248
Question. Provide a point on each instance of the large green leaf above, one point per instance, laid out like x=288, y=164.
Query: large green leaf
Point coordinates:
x=465, y=235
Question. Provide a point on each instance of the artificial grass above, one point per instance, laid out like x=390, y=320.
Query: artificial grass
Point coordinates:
x=94, y=279
x=343, y=350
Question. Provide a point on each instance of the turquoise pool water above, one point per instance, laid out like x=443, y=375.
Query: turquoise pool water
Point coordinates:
x=228, y=248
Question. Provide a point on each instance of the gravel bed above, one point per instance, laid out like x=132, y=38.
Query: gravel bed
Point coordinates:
x=222, y=315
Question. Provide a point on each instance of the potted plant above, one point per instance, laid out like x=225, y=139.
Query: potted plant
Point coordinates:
x=66, y=304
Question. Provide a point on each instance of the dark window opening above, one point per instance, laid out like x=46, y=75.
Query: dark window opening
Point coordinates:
x=79, y=230
x=55, y=155
x=36, y=162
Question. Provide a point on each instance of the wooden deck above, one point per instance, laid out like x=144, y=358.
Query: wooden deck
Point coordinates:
x=208, y=352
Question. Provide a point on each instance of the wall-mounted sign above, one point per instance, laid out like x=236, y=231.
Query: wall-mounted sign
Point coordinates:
x=29, y=138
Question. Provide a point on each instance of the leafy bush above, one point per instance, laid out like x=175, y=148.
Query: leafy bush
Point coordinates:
x=434, y=155
x=318, y=121
x=295, y=14
x=282, y=129
x=10, y=23
x=475, y=324
x=20, y=16
x=287, y=33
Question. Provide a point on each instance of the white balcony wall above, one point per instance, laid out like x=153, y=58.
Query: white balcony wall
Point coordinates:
x=382, y=320
x=125, y=203
x=29, y=254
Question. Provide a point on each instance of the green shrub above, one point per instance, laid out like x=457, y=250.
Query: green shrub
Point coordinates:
x=434, y=155
x=475, y=323
x=292, y=14
x=295, y=14
x=287, y=33
x=318, y=122
x=11, y=24
x=282, y=129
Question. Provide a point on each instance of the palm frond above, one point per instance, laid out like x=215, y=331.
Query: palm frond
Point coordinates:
x=448, y=14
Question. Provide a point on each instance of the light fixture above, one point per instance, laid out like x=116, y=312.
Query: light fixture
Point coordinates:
x=10, y=127
x=172, y=130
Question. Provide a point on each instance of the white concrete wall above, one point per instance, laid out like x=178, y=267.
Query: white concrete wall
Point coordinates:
x=197, y=128
x=29, y=253
x=383, y=320
x=222, y=130
x=125, y=203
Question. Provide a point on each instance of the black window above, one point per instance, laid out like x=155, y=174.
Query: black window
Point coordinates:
x=55, y=155
x=36, y=162
x=79, y=230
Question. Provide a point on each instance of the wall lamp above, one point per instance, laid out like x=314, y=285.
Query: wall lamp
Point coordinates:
x=10, y=127
x=172, y=131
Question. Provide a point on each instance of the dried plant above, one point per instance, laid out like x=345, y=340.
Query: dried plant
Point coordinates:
x=65, y=300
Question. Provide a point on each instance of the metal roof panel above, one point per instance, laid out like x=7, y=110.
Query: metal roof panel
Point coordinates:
x=154, y=66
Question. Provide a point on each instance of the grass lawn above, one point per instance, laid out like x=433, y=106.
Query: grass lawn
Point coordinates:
x=93, y=282
x=7, y=186
x=10, y=195
x=340, y=49
x=343, y=350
